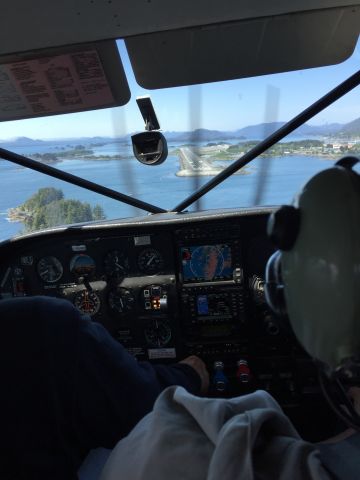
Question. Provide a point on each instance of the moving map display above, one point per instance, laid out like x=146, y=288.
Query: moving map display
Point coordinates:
x=206, y=263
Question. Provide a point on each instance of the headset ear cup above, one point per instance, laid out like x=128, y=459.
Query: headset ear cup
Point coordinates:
x=274, y=288
x=283, y=227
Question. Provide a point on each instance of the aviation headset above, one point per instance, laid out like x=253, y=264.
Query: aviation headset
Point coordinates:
x=314, y=277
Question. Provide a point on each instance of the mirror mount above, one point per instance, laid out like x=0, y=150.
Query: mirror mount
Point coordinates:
x=149, y=147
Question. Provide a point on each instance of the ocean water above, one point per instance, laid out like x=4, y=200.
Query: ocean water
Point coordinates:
x=157, y=185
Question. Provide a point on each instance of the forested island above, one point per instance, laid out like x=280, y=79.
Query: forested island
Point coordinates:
x=79, y=152
x=48, y=208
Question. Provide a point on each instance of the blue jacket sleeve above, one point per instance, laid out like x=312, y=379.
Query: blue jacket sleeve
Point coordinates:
x=113, y=390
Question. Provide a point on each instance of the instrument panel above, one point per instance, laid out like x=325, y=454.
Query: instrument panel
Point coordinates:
x=158, y=288
x=172, y=286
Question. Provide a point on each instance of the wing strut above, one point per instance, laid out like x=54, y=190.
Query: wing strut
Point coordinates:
x=75, y=180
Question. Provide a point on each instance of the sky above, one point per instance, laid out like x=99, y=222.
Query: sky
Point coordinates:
x=222, y=106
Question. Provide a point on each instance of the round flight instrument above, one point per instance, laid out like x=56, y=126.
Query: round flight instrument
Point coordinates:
x=121, y=300
x=116, y=264
x=49, y=269
x=158, y=333
x=150, y=261
x=81, y=265
x=87, y=302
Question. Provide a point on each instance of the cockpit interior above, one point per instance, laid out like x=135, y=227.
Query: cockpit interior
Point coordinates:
x=170, y=282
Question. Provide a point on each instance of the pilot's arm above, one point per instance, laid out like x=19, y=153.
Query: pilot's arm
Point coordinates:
x=118, y=389
x=68, y=386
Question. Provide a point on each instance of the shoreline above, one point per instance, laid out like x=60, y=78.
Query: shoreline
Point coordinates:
x=16, y=215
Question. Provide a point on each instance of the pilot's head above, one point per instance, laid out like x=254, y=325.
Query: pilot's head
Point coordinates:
x=314, y=277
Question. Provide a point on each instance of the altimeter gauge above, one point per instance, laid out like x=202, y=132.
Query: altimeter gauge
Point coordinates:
x=116, y=264
x=157, y=333
x=121, y=300
x=49, y=269
x=87, y=302
x=150, y=261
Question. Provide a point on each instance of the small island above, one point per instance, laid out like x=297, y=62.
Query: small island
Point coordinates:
x=48, y=208
x=79, y=152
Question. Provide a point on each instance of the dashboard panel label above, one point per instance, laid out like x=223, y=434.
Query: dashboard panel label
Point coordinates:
x=156, y=353
x=143, y=240
x=78, y=248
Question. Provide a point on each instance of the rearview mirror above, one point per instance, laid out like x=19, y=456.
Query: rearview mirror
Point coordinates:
x=150, y=148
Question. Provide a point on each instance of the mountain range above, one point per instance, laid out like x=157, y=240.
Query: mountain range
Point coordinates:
x=250, y=132
x=262, y=130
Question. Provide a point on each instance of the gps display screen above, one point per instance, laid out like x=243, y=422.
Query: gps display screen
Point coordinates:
x=206, y=263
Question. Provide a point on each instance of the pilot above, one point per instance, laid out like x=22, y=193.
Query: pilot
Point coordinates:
x=67, y=386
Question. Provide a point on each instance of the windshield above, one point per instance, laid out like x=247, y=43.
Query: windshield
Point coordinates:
x=212, y=125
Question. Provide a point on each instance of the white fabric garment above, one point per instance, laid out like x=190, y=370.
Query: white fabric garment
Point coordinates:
x=187, y=438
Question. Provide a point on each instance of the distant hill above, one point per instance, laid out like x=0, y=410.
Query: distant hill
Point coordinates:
x=321, y=130
x=258, y=132
x=202, y=135
x=29, y=142
x=262, y=130
x=351, y=128
x=20, y=142
x=250, y=132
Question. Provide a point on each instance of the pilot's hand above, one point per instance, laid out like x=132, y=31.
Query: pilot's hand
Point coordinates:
x=199, y=366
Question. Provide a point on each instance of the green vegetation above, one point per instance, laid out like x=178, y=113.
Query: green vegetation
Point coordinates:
x=48, y=208
x=308, y=146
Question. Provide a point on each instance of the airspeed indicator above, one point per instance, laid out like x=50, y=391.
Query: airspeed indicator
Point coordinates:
x=49, y=269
